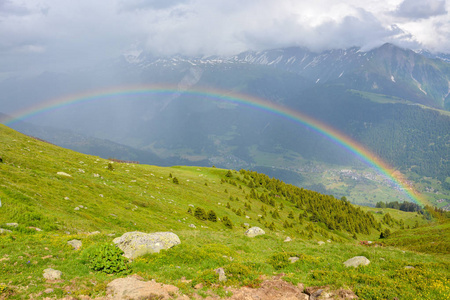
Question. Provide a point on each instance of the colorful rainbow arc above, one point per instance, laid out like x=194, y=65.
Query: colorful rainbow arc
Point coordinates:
x=241, y=99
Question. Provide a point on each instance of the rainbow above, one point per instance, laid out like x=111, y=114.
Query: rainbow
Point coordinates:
x=236, y=98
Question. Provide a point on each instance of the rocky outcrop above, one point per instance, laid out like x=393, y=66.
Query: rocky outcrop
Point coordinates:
x=254, y=231
x=135, y=244
x=134, y=287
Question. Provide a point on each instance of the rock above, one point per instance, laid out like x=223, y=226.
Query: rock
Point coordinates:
x=357, y=261
x=192, y=226
x=66, y=198
x=64, y=174
x=293, y=259
x=94, y=232
x=198, y=286
x=321, y=243
x=254, y=231
x=135, y=244
x=409, y=267
x=77, y=208
x=328, y=241
x=12, y=225
x=76, y=244
x=134, y=288
x=51, y=274
x=287, y=239
x=80, y=206
x=222, y=276
x=35, y=228
x=4, y=230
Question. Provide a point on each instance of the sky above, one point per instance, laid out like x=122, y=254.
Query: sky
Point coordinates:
x=49, y=35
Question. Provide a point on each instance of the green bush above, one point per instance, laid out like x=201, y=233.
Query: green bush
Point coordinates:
x=106, y=258
x=385, y=233
x=200, y=213
x=212, y=216
x=227, y=222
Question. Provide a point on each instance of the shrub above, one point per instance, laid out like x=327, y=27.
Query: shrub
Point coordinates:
x=212, y=216
x=110, y=167
x=281, y=259
x=106, y=258
x=386, y=233
x=227, y=222
x=175, y=180
x=200, y=213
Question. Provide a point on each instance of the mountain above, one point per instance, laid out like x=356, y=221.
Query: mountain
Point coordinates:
x=385, y=70
x=391, y=100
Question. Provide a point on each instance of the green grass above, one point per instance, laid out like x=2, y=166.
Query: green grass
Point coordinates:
x=145, y=198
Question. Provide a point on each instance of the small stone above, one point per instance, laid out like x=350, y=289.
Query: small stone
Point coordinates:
x=357, y=261
x=51, y=274
x=64, y=174
x=293, y=259
x=198, y=286
x=192, y=226
x=95, y=232
x=222, y=276
x=4, y=230
x=80, y=206
x=287, y=239
x=12, y=225
x=409, y=267
x=328, y=241
x=48, y=291
x=76, y=244
x=320, y=243
x=66, y=198
x=254, y=231
x=77, y=208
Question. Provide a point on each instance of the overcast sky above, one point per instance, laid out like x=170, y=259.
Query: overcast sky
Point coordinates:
x=56, y=34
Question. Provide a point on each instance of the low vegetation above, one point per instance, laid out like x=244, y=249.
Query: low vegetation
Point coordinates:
x=93, y=194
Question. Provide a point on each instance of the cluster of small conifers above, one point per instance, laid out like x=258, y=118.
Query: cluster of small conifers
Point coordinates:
x=211, y=215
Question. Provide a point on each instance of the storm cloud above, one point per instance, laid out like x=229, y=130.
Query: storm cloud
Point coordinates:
x=61, y=34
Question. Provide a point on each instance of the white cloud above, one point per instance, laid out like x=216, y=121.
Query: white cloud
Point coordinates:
x=69, y=33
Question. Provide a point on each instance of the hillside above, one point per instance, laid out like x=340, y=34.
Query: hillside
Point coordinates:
x=93, y=194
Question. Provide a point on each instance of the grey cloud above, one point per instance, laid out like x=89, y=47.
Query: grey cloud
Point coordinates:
x=7, y=7
x=132, y=5
x=421, y=9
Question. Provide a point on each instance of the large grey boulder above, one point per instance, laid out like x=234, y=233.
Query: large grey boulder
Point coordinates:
x=135, y=244
x=357, y=261
x=254, y=231
x=52, y=274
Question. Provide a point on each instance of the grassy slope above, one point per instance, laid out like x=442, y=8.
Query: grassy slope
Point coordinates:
x=144, y=198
